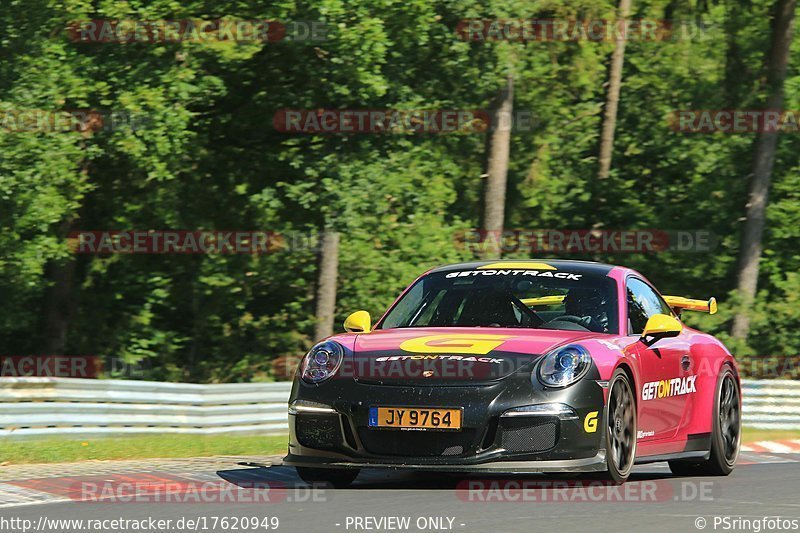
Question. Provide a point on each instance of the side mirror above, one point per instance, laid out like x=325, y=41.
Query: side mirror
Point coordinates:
x=358, y=322
x=661, y=327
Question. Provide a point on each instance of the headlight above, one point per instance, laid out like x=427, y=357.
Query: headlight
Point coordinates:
x=322, y=362
x=564, y=366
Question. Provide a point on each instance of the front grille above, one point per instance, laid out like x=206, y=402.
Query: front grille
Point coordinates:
x=416, y=443
x=528, y=434
x=322, y=432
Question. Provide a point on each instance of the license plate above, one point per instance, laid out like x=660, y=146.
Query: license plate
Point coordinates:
x=414, y=418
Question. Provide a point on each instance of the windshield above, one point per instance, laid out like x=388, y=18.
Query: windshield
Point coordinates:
x=508, y=299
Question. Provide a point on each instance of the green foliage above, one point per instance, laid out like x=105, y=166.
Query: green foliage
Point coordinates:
x=207, y=157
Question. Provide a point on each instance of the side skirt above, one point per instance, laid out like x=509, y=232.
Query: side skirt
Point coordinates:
x=698, y=448
x=698, y=456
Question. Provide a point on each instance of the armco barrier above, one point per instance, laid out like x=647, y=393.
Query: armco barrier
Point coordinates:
x=64, y=406
x=31, y=407
x=771, y=403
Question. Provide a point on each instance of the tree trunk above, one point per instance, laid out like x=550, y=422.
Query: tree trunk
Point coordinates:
x=326, y=284
x=750, y=253
x=58, y=307
x=612, y=96
x=497, y=170
x=59, y=304
x=737, y=74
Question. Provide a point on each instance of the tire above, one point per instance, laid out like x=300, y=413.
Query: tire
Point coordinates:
x=620, y=427
x=726, y=431
x=339, y=478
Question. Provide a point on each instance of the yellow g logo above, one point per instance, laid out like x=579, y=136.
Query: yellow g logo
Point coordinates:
x=479, y=344
x=590, y=422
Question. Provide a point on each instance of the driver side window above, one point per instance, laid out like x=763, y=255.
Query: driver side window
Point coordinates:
x=643, y=302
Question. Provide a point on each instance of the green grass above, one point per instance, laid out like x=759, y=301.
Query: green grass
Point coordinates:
x=754, y=435
x=162, y=446
x=139, y=447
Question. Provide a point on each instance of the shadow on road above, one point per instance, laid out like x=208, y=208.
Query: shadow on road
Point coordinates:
x=397, y=479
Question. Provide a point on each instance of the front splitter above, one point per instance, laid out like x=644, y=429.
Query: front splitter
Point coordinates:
x=589, y=464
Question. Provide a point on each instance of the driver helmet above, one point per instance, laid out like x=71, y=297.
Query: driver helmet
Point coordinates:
x=587, y=302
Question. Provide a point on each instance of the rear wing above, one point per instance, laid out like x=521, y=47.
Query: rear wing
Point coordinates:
x=544, y=300
x=679, y=303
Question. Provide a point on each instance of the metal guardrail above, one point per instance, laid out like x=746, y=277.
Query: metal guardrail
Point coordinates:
x=38, y=407
x=35, y=407
x=771, y=403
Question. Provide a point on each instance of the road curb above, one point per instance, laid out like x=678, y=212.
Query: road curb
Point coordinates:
x=770, y=446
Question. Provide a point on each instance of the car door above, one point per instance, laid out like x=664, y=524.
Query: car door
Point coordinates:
x=664, y=366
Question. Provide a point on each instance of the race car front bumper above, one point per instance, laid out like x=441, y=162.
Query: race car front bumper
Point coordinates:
x=508, y=426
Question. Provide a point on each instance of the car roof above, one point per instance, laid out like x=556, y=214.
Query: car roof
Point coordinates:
x=582, y=267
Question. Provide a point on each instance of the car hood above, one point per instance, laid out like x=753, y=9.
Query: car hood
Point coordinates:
x=454, y=356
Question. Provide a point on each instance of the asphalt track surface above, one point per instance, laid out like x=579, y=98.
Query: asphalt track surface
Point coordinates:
x=761, y=486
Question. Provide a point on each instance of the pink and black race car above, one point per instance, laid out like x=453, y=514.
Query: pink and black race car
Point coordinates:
x=531, y=366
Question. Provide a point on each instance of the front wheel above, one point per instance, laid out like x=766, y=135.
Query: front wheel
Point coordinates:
x=339, y=478
x=726, y=434
x=620, y=428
